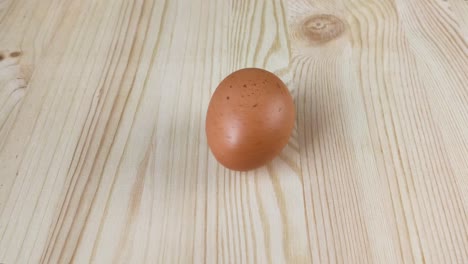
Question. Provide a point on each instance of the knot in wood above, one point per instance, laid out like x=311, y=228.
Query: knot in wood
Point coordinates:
x=15, y=54
x=322, y=28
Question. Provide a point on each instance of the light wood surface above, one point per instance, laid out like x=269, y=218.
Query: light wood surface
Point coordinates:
x=103, y=155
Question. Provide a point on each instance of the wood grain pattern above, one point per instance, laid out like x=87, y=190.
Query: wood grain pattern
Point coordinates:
x=103, y=155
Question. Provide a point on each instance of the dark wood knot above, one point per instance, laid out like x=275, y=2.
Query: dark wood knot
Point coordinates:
x=322, y=28
x=15, y=54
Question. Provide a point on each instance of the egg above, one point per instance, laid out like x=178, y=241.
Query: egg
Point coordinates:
x=249, y=120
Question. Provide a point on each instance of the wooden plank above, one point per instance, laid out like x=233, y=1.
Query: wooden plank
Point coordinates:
x=110, y=99
x=382, y=103
x=103, y=156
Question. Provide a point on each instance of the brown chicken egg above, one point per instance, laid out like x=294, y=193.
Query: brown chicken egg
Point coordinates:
x=250, y=119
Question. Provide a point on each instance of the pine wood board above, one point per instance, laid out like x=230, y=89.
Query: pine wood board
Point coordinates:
x=103, y=155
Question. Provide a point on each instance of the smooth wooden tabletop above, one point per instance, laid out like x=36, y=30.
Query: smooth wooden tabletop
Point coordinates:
x=104, y=158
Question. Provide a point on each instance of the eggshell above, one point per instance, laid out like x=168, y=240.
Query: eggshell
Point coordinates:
x=249, y=120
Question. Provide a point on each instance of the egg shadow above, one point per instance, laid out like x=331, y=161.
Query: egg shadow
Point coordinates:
x=317, y=96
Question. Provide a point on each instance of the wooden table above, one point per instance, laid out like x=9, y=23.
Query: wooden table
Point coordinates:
x=103, y=154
